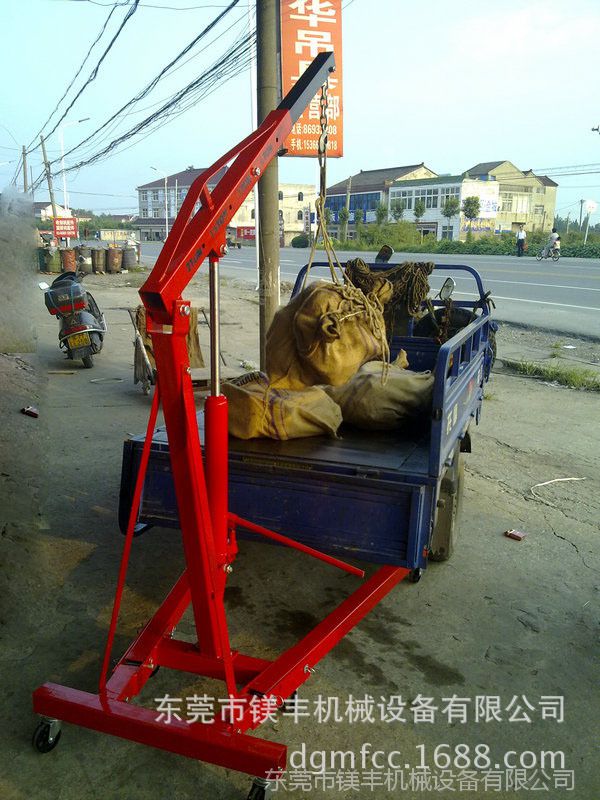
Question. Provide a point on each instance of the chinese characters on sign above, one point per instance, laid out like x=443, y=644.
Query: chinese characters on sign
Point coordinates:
x=66, y=227
x=309, y=27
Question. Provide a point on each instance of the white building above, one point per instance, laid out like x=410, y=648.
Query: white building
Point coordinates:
x=296, y=202
x=435, y=192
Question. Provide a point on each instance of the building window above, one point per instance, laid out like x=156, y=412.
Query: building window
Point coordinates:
x=300, y=216
x=143, y=197
x=300, y=196
x=335, y=202
x=447, y=232
x=541, y=190
x=446, y=192
x=281, y=195
x=252, y=214
x=429, y=197
x=144, y=212
x=405, y=196
x=506, y=201
x=155, y=195
x=367, y=201
x=539, y=210
x=155, y=212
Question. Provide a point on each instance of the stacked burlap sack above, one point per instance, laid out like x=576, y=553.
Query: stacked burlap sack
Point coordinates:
x=326, y=353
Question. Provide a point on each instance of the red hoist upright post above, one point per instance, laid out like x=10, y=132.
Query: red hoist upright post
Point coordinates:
x=208, y=528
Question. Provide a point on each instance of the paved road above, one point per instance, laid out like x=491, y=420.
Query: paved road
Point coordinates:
x=563, y=296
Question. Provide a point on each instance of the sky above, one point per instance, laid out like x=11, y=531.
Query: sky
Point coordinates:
x=449, y=84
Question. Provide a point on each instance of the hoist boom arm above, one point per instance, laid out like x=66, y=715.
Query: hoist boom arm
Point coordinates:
x=195, y=236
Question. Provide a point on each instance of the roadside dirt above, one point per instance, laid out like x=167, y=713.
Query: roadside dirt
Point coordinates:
x=503, y=618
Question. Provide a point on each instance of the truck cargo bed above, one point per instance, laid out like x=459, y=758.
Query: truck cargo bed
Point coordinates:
x=354, y=495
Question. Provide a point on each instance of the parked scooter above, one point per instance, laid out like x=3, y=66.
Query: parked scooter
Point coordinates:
x=82, y=324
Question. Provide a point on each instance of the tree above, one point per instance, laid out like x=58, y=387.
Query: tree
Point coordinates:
x=470, y=209
x=381, y=214
x=419, y=211
x=344, y=216
x=451, y=208
x=398, y=208
x=327, y=215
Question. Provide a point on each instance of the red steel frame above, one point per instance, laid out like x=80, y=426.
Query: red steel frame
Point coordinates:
x=208, y=528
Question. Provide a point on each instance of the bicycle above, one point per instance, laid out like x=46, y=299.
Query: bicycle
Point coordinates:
x=553, y=253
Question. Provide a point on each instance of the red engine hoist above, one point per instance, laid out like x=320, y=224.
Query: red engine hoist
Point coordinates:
x=208, y=528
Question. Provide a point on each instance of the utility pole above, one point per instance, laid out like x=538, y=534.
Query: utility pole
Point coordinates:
x=48, y=178
x=25, y=187
x=348, y=191
x=267, y=26
x=568, y=223
x=581, y=202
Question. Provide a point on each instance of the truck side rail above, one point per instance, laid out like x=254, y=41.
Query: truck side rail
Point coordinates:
x=457, y=390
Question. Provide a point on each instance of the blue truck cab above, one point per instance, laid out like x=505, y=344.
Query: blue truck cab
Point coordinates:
x=384, y=497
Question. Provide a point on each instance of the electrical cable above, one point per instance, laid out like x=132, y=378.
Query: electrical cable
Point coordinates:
x=114, y=126
x=148, y=88
x=230, y=64
x=94, y=72
x=94, y=43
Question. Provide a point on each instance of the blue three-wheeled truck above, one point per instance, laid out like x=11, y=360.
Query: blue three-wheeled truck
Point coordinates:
x=387, y=498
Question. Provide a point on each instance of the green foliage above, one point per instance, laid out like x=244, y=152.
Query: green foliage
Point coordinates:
x=381, y=214
x=451, y=208
x=301, y=240
x=573, y=376
x=344, y=215
x=419, y=209
x=471, y=208
x=327, y=215
x=398, y=208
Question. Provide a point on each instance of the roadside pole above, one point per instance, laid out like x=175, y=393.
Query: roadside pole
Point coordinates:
x=267, y=25
x=348, y=192
x=49, y=178
x=25, y=187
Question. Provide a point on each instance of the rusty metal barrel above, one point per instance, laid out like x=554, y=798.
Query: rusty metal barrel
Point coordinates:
x=99, y=260
x=52, y=261
x=129, y=257
x=68, y=260
x=84, y=259
x=114, y=258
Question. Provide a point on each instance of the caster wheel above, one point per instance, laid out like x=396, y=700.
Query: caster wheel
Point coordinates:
x=261, y=790
x=44, y=738
x=415, y=575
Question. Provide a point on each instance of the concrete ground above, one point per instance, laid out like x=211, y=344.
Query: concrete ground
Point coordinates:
x=503, y=619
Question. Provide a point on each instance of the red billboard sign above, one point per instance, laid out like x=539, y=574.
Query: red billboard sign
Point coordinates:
x=246, y=232
x=66, y=228
x=309, y=27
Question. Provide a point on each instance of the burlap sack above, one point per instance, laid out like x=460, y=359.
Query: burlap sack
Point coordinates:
x=325, y=334
x=366, y=403
x=193, y=342
x=257, y=410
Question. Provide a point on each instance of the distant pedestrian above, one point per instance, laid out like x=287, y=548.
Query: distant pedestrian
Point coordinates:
x=521, y=238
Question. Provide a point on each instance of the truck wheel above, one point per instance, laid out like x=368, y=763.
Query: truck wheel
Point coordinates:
x=446, y=525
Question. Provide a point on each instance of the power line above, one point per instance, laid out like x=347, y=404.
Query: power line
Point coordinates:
x=226, y=67
x=94, y=43
x=149, y=5
x=94, y=72
x=110, y=130
x=148, y=88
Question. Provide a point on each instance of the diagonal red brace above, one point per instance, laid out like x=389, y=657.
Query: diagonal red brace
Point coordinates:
x=303, y=548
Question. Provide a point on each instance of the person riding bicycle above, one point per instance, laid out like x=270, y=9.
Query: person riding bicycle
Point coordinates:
x=557, y=245
x=551, y=243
